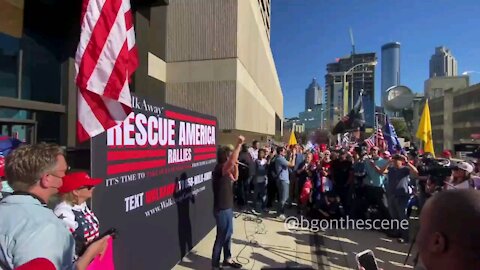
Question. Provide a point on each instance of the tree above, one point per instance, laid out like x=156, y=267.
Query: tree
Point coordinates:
x=401, y=128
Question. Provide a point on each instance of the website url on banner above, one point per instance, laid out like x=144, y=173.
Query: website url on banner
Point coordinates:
x=171, y=201
x=203, y=163
x=316, y=225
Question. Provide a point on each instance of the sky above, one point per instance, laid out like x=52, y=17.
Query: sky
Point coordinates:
x=308, y=34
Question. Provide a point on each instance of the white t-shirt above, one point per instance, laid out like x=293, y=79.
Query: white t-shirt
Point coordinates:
x=253, y=153
x=463, y=185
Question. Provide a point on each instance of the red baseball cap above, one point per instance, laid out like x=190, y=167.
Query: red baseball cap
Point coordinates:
x=37, y=264
x=446, y=154
x=76, y=180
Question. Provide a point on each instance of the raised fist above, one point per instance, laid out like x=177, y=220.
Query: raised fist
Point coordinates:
x=241, y=139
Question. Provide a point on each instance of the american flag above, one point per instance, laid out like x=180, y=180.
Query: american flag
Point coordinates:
x=106, y=58
x=370, y=141
x=379, y=139
x=376, y=139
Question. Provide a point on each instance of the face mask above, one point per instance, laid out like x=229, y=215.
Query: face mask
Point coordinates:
x=6, y=187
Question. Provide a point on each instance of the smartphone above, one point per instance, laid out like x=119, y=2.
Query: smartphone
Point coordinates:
x=112, y=232
x=367, y=260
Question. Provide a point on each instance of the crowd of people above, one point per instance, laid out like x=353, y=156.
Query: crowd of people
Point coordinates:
x=320, y=182
x=360, y=182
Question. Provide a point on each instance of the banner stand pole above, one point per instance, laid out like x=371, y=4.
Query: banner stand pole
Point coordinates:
x=91, y=169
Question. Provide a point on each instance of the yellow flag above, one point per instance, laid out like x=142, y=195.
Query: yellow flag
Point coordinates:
x=424, y=131
x=292, y=140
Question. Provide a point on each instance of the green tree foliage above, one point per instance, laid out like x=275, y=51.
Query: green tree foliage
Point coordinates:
x=401, y=128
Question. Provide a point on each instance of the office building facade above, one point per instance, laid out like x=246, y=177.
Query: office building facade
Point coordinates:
x=294, y=124
x=442, y=63
x=436, y=86
x=313, y=95
x=343, y=85
x=390, y=69
x=209, y=56
x=454, y=117
x=313, y=119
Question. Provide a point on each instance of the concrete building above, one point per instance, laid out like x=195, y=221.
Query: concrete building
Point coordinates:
x=313, y=95
x=417, y=110
x=442, y=63
x=209, y=56
x=435, y=87
x=293, y=123
x=390, y=68
x=265, y=10
x=454, y=116
x=343, y=87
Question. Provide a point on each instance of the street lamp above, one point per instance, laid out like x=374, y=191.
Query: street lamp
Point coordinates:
x=322, y=115
x=372, y=63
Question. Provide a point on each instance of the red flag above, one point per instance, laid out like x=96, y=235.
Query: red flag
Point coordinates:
x=105, y=60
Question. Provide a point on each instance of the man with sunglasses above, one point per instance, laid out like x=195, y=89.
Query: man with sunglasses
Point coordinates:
x=28, y=229
x=461, y=177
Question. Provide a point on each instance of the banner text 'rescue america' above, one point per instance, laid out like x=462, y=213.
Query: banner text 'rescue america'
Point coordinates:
x=157, y=167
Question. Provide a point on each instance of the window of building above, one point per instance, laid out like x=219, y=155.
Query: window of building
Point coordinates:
x=48, y=127
x=10, y=34
x=9, y=57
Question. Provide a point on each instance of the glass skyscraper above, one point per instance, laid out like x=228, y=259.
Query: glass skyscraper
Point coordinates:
x=313, y=95
x=442, y=63
x=390, y=68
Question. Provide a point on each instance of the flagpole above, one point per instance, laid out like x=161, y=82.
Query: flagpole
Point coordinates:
x=376, y=129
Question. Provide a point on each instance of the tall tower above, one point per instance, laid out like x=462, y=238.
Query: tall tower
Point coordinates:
x=442, y=63
x=390, y=68
x=313, y=95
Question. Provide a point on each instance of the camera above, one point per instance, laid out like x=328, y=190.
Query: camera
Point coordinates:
x=437, y=169
x=412, y=151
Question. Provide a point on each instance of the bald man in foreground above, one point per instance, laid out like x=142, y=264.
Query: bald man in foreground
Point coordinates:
x=449, y=236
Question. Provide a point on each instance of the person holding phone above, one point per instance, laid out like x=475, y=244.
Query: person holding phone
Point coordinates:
x=283, y=183
x=397, y=190
x=77, y=188
x=29, y=229
x=366, y=260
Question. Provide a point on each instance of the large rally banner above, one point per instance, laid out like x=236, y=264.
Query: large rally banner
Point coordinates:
x=157, y=170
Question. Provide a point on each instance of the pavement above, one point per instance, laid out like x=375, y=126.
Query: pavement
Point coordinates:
x=266, y=243
x=339, y=247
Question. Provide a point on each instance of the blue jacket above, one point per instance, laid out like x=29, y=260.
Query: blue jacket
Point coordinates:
x=29, y=230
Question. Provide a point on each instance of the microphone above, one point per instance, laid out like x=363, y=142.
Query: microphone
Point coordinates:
x=243, y=164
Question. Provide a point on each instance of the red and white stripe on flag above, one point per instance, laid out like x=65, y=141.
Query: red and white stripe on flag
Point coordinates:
x=105, y=60
x=370, y=141
x=380, y=139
